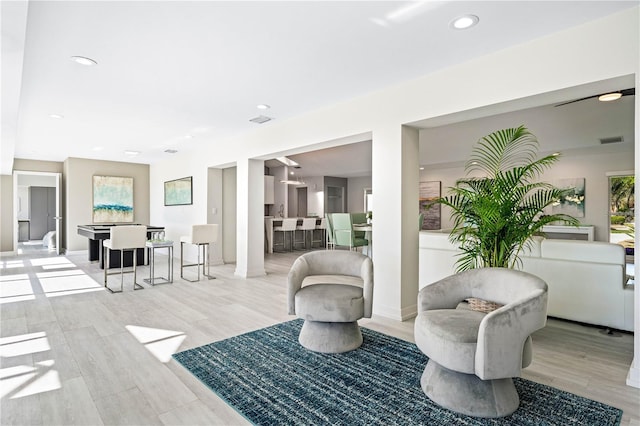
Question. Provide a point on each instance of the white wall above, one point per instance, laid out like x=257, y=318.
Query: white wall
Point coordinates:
x=355, y=198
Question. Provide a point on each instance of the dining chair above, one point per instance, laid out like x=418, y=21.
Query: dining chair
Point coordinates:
x=201, y=236
x=288, y=227
x=343, y=232
x=330, y=241
x=124, y=238
x=308, y=225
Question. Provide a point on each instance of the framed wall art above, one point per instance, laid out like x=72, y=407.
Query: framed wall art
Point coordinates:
x=178, y=192
x=112, y=199
x=573, y=202
x=429, y=191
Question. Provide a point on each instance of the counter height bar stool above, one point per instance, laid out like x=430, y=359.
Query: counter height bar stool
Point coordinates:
x=201, y=236
x=288, y=227
x=308, y=225
x=124, y=238
x=322, y=227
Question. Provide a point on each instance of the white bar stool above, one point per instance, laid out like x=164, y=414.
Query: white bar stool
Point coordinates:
x=202, y=236
x=308, y=225
x=288, y=226
x=322, y=227
x=124, y=238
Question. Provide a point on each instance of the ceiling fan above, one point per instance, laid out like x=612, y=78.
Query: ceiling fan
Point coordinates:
x=609, y=96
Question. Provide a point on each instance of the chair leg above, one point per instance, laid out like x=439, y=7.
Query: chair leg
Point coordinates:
x=204, y=263
x=136, y=286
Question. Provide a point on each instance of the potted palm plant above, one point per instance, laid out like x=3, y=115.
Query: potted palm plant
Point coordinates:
x=496, y=214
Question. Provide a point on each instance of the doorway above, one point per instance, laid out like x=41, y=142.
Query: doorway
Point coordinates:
x=37, y=211
x=622, y=215
x=302, y=202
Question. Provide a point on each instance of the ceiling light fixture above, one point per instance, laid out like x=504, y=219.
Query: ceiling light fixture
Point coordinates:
x=287, y=161
x=261, y=119
x=56, y=116
x=464, y=22
x=98, y=148
x=293, y=182
x=263, y=106
x=84, y=61
x=608, y=97
x=132, y=153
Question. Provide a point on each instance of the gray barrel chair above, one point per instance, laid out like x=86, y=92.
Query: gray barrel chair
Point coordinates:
x=474, y=355
x=331, y=309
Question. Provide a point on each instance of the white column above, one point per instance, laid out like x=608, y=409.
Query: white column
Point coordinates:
x=395, y=181
x=633, y=378
x=214, y=213
x=250, y=218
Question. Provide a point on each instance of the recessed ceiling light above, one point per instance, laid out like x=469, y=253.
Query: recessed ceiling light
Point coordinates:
x=188, y=136
x=98, y=148
x=555, y=154
x=263, y=106
x=56, y=116
x=608, y=97
x=132, y=153
x=84, y=61
x=421, y=168
x=464, y=22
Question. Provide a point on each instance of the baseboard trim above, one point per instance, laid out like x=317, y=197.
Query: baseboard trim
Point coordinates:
x=250, y=273
x=633, y=378
x=403, y=314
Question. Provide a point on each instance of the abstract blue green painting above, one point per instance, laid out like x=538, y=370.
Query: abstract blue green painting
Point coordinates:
x=178, y=192
x=112, y=199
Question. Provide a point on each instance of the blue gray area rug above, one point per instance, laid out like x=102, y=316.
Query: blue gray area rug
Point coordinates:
x=271, y=380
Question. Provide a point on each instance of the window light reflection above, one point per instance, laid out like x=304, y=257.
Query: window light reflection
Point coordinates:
x=161, y=343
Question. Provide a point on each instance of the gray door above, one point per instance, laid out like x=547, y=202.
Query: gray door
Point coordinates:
x=42, y=211
x=302, y=202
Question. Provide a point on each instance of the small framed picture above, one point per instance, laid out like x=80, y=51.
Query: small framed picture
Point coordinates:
x=178, y=192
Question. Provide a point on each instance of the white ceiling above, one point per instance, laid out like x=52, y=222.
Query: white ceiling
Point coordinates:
x=171, y=69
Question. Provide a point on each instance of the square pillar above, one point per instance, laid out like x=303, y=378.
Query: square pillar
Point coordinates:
x=395, y=175
x=250, y=218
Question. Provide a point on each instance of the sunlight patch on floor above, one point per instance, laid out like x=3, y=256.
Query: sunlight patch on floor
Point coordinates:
x=53, y=263
x=15, y=288
x=161, y=343
x=10, y=264
x=24, y=380
x=63, y=283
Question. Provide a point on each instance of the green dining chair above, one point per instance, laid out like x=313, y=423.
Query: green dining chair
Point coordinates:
x=343, y=232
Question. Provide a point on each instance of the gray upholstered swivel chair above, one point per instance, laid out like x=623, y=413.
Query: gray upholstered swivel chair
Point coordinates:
x=124, y=238
x=201, y=236
x=474, y=355
x=331, y=310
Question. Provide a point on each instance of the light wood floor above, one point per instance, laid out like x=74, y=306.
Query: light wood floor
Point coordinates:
x=72, y=353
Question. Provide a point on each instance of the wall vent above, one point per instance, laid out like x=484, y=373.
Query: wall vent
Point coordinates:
x=261, y=119
x=170, y=151
x=614, y=139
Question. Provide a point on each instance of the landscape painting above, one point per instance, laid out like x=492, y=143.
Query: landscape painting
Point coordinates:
x=572, y=203
x=112, y=199
x=429, y=191
x=178, y=192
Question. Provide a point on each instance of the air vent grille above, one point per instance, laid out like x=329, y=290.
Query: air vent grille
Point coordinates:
x=614, y=139
x=261, y=119
x=170, y=151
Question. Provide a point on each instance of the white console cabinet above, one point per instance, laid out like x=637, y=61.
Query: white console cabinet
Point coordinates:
x=562, y=232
